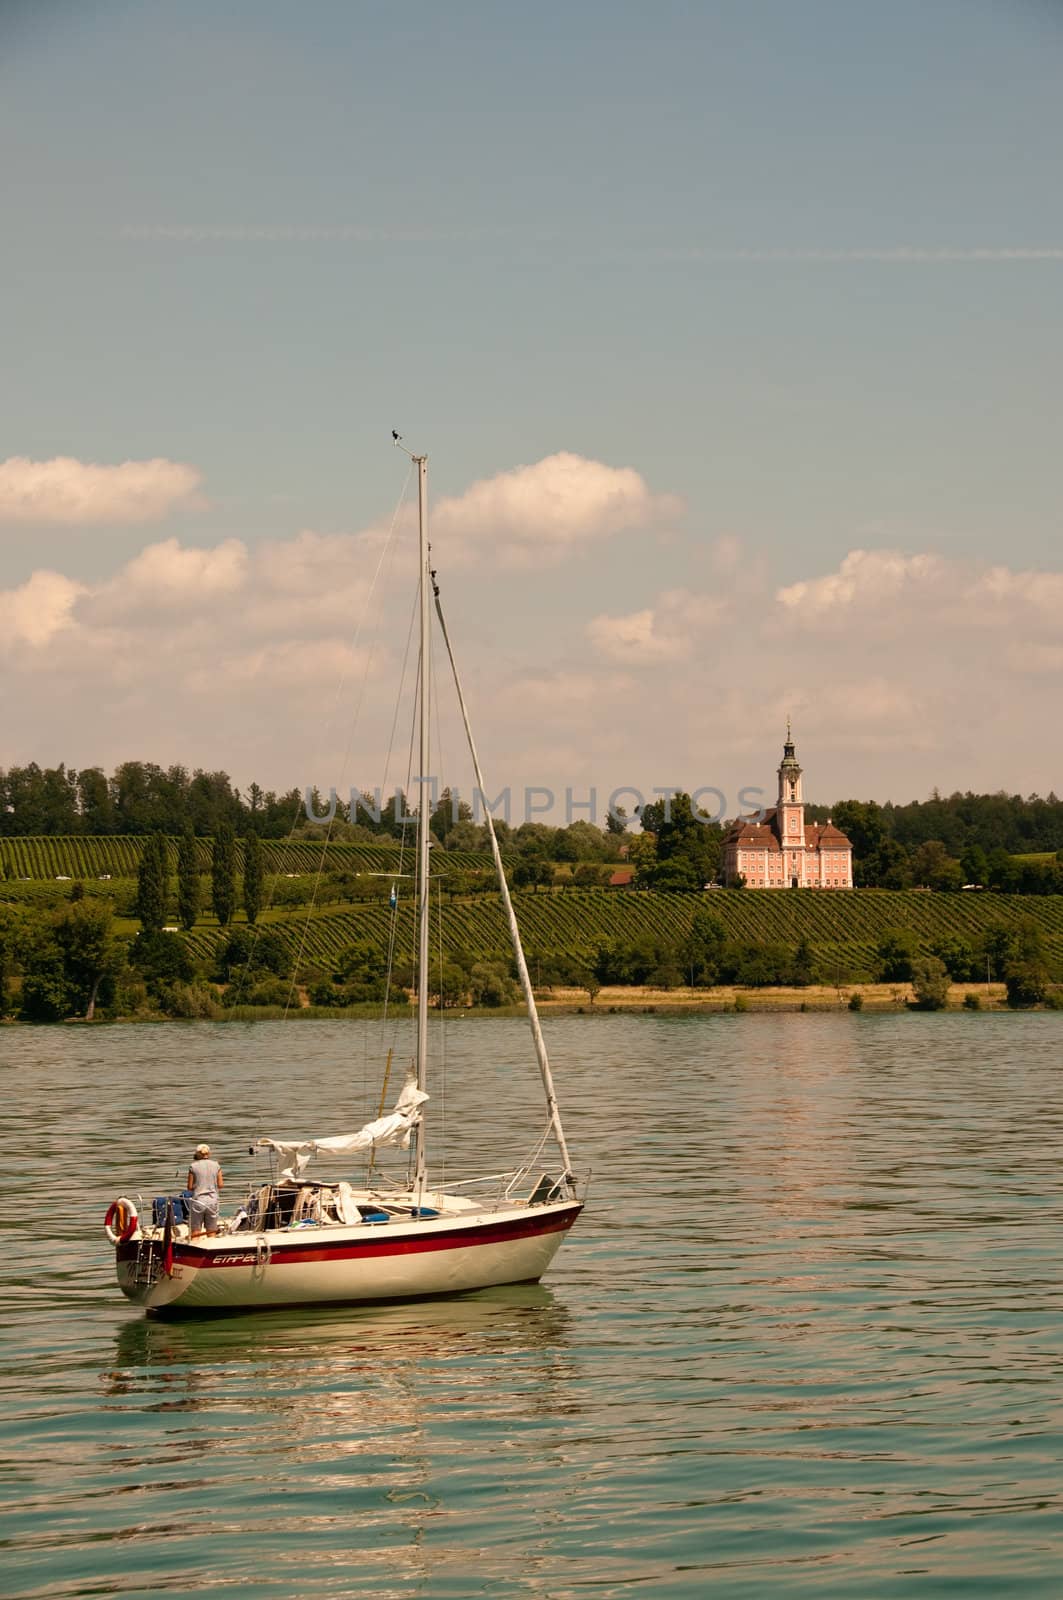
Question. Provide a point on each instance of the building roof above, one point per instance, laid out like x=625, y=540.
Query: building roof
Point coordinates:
x=753, y=835
x=746, y=834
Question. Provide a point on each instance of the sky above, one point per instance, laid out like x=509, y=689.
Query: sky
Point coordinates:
x=732, y=331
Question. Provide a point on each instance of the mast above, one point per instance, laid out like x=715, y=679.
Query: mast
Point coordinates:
x=423, y=813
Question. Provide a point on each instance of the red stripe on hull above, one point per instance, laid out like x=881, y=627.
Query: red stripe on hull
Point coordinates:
x=235, y=1254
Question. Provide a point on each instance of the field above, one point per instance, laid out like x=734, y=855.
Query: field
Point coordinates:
x=842, y=930
x=48, y=858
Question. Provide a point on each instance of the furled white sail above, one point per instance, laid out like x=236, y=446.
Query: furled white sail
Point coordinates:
x=395, y=1128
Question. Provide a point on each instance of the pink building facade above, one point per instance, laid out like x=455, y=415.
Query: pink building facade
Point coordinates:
x=783, y=851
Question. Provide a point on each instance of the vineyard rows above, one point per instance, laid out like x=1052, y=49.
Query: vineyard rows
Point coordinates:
x=85, y=856
x=575, y=922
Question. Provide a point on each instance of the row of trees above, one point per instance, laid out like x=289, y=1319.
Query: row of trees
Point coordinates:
x=71, y=962
x=153, y=879
x=888, y=854
x=140, y=798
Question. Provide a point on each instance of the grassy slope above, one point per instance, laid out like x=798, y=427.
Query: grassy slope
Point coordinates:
x=45, y=858
x=845, y=928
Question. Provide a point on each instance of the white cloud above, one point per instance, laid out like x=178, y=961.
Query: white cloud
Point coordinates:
x=171, y=576
x=80, y=493
x=541, y=513
x=867, y=580
x=34, y=613
x=901, y=669
x=666, y=631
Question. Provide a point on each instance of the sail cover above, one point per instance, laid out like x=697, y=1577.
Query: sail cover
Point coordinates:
x=395, y=1128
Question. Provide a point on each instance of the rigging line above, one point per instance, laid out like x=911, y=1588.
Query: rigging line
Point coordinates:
x=350, y=735
x=441, y=768
x=442, y=1045
x=518, y=949
x=393, y=925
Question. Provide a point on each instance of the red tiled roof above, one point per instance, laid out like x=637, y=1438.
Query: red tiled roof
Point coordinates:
x=621, y=878
x=753, y=834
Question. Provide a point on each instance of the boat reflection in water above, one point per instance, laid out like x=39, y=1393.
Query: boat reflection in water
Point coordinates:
x=361, y=1429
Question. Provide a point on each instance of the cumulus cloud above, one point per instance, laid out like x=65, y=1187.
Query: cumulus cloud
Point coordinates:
x=900, y=669
x=171, y=576
x=867, y=580
x=669, y=630
x=35, y=612
x=541, y=513
x=80, y=493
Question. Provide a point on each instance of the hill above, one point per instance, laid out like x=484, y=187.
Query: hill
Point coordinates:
x=842, y=930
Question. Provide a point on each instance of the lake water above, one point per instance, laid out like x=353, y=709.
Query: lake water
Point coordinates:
x=806, y=1339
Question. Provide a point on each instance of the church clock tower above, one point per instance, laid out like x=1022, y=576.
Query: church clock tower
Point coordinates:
x=791, y=814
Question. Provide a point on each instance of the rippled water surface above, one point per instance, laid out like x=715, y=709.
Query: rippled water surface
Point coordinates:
x=806, y=1339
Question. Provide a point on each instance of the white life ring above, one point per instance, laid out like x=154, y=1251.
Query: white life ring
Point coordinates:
x=120, y=1223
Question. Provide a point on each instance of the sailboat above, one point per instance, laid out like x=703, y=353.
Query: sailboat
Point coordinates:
x=304, y=1239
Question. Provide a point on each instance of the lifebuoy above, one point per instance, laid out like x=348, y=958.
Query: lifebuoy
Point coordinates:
x=120, y=1223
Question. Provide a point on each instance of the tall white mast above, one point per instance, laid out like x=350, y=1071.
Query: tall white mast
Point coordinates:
x=423, y=812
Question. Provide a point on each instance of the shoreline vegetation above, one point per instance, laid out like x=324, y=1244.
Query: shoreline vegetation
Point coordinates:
x=128, y=928
x=618, y=1000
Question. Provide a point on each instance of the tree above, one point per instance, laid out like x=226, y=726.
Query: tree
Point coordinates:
x=12, y=936
x=448, y=813
x=223, y=873
x=802, y=971
x=491, y=985
x=187, y=879
x=959, y=958
x=933, y=868
x=151, y=884
x=1000, y=947
x=642, y=853
x=90, y=952
x=930, y=983
x=685, y=840
x=701, y=949
x=45, y=991
x=975, y=864
x=252, y=876
x=897, y=949
x=1027, y=983
x=616, y=821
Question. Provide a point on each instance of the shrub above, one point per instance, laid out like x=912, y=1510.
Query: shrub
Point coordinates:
x=972, y=1002
x=491, y=985
x=897, y=950
x=263, y=992
x=195, y=1000
x=856, y=1002
x=161, y=958
x=1026, y=983
x=930, y=983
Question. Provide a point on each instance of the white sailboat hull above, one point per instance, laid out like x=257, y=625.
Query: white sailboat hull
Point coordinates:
x=323, y=1265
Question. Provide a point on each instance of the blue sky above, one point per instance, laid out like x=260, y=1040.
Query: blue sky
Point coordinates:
x=799, y=267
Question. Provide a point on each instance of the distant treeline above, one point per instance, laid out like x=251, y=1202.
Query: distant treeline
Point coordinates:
x=943, y=842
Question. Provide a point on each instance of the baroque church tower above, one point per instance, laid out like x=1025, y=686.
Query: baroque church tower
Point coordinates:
x=790, y=811
x=778, y=849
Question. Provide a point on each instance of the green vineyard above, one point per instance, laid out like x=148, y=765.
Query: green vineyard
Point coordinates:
x=54, y=858
x=842, y=930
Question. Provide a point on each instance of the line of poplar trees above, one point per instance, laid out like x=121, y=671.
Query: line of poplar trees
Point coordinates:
x=153, y=879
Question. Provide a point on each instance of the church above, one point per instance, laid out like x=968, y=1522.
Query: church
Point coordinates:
x=783, y=851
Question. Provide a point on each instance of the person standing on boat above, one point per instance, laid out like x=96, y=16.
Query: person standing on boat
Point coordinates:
x=205, y=1181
